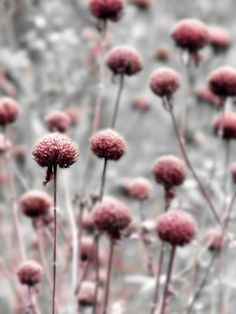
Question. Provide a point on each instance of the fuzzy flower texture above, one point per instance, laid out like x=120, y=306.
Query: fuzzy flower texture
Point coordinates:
x=106, y=9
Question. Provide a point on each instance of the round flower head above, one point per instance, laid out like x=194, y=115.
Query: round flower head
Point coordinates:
x=35, y=203
x=228, y=121
x=142, y=4
x=164, y=82
x=176, y=227
x=190, y=34
x=86, y=220
x=219, y=39
x=111, y=216
x=8, y=110
x=124, y=60
x=55, y=149
x=222, y=81
x=87, y=292
x=169, y=171
x=206, y=95
x=106, y=9
x=233, y=172
x=58, y=121
x=214, y=240
x=139, y=188
x=107, y=144
x=29, y=273
x=73, y=114
x=87, y=248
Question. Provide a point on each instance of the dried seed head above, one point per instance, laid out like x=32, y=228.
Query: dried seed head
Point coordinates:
x=190, y=34
x=228, y=124
x=169, y=171
x=58, y=121
x=55, y=149
x=111, y=216
x=35, y=203
x=106, y=9
x=176, y=227
x=164, y=82
x=222, y=81
x=124, y=60
x=214, y=240
x=139, y=188
x=29, y=273
x=107, y=144
x=219, y=39
x=8, y=110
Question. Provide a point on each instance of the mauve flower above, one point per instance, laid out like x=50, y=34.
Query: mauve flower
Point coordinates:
x=57, y=121
x=124, y=60
x=228, y=122
x=222, y=81
x=219, y=39
x=106, y=9
x=164, y=82
x=29, y=273
x=9, y=110
x=139, y=188
x=190, y=34
x=35, y=203
x=176, y=227
x=214, y=240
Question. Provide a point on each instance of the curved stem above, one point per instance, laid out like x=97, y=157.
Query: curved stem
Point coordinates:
x=54, y=238
x=117, y=103
x=103, y=180
x=168, y=279
x=202, y=189
x=201, y=286
x=109, y=268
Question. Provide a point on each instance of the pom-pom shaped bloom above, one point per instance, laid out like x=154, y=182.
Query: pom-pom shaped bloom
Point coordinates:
x=228, y=122
x=214, y=240
x=87, y=292
x=35, y=203
x=233, y=172
x=142, y=4
x=139, y=188
x=219, y=38
x=222, y=81
x=87, y=248
x=124, y=60
x=8, y=110
x=106, y=9
x=176, y=227
x=58, y=121
x=169, y=171
x=107, y=144
x=207, y=96
x=190, y=34
x=111, y=216
x=164, y=82
x=29, y=273
x=55, y=149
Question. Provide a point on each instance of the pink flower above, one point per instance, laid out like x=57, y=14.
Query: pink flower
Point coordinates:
x=30, y=273
x=219, y=39
x=8, y=110
x=176, y=227
x=228, y=121
x=222, y=81
x=190, y=34
x=214, y=240
x=164, y=82
x=35, y=203
x=139, y=188
x=106, y=9
x=124, y=60
x=58, y=121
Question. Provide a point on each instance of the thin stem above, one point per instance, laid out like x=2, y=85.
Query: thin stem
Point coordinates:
x=202, y=284
x=117, y=103
x=226, y=164
x=54, y=238
x=31, y=302
x=189, y=164
x=74, y=231
x=157, y=286
x=103, y=179
x=109, y=268
x=229, y=210
x=96, y=244
x=168, y=279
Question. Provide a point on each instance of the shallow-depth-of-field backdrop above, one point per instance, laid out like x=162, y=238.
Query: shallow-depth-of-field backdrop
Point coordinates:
x=117, y=156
